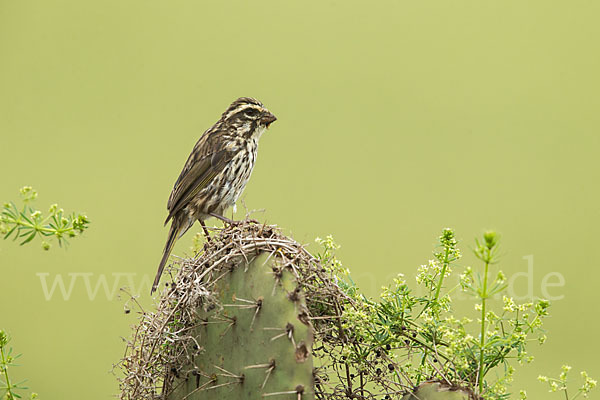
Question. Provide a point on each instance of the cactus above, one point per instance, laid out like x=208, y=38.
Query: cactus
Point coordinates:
x=438, y=391
x=256, y=341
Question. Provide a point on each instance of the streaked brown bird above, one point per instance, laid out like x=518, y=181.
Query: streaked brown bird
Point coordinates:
x=216, y=172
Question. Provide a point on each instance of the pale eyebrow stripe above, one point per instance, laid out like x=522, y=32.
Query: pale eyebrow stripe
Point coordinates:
x=242, y=108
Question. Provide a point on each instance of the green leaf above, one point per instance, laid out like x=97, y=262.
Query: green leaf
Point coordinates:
x=10, y=232
x=29, y=238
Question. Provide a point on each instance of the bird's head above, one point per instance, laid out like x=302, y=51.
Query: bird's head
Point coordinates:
x=247, y=117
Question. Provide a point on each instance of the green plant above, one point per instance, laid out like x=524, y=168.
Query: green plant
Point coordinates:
x=8, y=390
x=420, y=337
x=25, y=223
x=560, y=384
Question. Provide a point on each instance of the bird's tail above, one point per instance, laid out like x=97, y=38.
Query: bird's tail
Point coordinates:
x=174, y=233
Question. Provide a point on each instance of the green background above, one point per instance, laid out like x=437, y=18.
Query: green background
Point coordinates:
x=396, y=119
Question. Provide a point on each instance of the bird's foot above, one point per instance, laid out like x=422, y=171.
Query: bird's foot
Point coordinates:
x=232, y=222
x=226, y=220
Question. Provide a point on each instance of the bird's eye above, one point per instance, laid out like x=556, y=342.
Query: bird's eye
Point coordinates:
x=251, y=112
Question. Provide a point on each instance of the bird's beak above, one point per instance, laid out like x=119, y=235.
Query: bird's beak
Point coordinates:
x=267, y=119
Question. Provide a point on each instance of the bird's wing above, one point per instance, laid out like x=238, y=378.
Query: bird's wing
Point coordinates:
x=208, y=159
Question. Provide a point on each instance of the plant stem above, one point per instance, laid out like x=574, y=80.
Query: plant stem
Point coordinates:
x=443, y=274
x=3, y=363
x=33, y=226
x=484, y=295
x=435, y=298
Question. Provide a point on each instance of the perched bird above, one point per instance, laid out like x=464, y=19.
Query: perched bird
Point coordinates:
x=216, y=172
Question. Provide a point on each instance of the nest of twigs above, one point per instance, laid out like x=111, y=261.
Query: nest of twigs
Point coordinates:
x=157, y=352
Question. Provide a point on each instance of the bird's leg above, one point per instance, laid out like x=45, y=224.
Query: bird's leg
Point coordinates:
x=206, y=234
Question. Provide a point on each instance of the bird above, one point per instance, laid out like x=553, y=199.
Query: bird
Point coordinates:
x=216, y=172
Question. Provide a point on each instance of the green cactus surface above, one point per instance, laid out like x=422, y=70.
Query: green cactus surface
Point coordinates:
x=255, y=342
x=437, y=391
